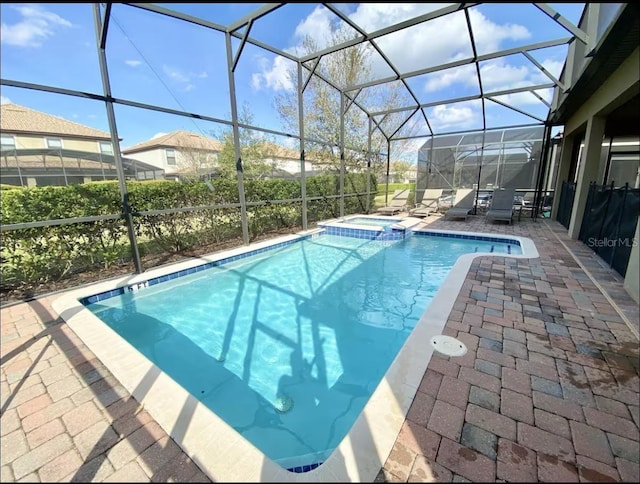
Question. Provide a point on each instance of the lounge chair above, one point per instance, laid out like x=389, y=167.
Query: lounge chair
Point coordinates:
x=428, y=204
x=501, y=207
x=462, y=204
x=397, y=203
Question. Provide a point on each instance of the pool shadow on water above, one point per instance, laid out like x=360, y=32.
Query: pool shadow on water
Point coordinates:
x=367, y=343
x=312, y=393
x=207, y=380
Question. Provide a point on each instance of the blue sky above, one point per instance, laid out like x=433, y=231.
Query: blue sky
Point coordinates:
x=159, y=60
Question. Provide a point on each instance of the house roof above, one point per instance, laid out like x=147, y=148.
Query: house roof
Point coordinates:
x=20, y=119
x=177, y=139
x=277, y=151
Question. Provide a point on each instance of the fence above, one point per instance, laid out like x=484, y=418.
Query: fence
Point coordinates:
x=567, y=194
x=609, y=223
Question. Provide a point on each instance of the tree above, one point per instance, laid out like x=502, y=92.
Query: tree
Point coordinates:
x=400, y=170
x=255, y=149
x=195, y=163
x=345, y=68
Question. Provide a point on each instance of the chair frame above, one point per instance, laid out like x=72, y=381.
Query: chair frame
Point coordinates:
x=393, y=206
x=423, y=209
x=501, y=207
x=458, y=210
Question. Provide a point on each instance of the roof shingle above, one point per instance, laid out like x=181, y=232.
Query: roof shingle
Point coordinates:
x=177, y=139
x=19, y=119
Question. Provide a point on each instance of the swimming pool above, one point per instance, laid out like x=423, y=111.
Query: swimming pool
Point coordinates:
x=334, y=370
x=300, y=335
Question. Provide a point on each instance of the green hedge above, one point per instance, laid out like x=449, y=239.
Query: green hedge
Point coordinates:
x=4, y=186
x=44, y=254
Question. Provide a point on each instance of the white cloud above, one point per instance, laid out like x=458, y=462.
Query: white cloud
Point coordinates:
x=554, y=68
x=462, y=74
x=447, y=116
x=409, y=49
x=524, y=99
x=5, y=100
x=36, y=26
x=184, y=80
x=431, y=43
x=374, y=16
x=158, y=135
x=275, y=77
x=175, y=74
x=317, y=26
x=489, y=35
x=133, y=63
x=497, y=75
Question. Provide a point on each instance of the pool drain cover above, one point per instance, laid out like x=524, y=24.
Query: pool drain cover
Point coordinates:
x=448, y=346
x=283, y=403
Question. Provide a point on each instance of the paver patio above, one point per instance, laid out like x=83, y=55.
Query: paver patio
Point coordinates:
x=548, y=390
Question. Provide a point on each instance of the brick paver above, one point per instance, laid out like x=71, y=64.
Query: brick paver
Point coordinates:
x=591, y=442
x=547, y=392
x=561, y=406
x=516, y=463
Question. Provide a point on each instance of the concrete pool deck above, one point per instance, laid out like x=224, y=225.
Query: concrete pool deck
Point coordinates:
x=548, y=390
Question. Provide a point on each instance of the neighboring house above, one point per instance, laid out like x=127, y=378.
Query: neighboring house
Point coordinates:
x=285, y=162
x=184, y=154
x=40, y=149
x=407, y=176
x=179, y=153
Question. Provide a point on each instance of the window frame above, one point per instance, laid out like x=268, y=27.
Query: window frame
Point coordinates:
x=6, y=136
x=174, y=156
x=51, y=138
x=101, y=151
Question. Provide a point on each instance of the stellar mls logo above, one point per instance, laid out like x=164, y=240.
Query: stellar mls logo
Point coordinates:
x=606, y=242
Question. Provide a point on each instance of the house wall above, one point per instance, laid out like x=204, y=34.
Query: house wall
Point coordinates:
x=155, y=157
x=184, y=159
x=632, y=278
x=287, y=164
x=621, y=86
x=38, y=142
x=194, y=160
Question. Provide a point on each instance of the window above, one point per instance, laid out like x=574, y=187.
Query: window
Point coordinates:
x=171, y=156
x=7, y=142
x=106, y=148
x=53, y=142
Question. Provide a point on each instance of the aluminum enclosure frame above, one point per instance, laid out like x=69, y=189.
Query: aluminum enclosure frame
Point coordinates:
x=348, y=95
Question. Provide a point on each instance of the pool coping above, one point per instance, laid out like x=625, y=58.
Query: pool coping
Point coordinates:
x=211, y=442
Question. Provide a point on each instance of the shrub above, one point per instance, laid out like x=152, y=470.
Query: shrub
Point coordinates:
x=43, y=254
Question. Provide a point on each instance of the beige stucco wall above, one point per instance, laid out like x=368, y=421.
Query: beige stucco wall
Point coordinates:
x=38, y=142
x=632, y=278
x=623, y=82
x=155, y=157
x=29, y=142
x=81, y=145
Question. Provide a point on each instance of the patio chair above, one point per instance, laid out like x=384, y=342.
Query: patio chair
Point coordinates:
x=428, y=204
x=397, y=203
x=462, y=205
x=501, y=207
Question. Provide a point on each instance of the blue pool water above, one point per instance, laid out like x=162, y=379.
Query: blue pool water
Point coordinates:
x=288, y=345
